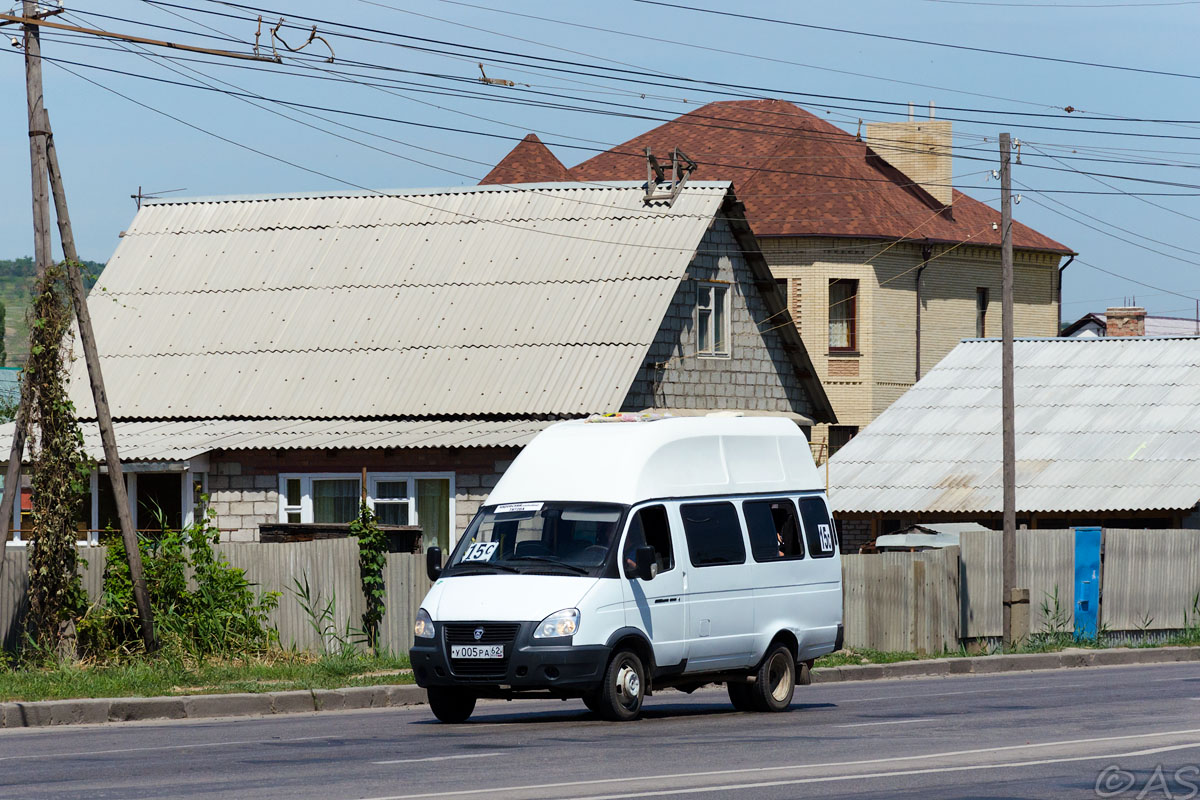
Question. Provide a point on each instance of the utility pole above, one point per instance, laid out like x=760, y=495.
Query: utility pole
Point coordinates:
x=1007, y=392
x=44, y=166
x=103, y=414
x=41, y=251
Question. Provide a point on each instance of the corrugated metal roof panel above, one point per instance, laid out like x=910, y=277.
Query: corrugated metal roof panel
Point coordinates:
x=181, y=440
x=474, y=301
x=1102, y=425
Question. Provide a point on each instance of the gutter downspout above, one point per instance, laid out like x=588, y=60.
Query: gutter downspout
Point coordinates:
x=926, y=254
x=1060, y=276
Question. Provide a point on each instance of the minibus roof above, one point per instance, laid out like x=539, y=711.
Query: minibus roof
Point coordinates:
x=628, y=462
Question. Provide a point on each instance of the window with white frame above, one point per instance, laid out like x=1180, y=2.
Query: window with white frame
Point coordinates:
x=712, y=319
x=422, y=499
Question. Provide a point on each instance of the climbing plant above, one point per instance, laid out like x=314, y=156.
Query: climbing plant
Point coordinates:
x=372, y=557
x=60, y=470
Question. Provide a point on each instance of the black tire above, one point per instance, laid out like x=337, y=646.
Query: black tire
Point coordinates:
x=739, y=695
x=451, y=705
x=775, y=681
x=624, y=688
x=592, y=701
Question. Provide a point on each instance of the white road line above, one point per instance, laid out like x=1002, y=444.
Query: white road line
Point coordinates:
x=437, y=758
x=997, y=690
x=871, y=775
x=760, y=770
x=86, y=753
x=887, y=722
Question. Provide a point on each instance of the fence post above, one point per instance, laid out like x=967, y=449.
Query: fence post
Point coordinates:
x=920, y=626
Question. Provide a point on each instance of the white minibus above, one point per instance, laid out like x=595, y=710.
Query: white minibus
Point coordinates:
x=615, y=559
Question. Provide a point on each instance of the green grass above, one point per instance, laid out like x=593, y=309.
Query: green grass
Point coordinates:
x=160, y=677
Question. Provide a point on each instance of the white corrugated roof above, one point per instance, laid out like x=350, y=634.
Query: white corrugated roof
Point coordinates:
x=479, y=301
x=1103, y=424
x=181, y=440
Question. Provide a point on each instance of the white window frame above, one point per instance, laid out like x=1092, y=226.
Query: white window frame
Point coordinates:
x=373, y=479
x=706, y=316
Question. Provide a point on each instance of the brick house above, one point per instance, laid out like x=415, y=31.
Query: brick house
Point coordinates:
x=276, y=352
x=886, y=266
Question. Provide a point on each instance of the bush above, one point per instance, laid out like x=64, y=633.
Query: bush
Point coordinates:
x=221, y=615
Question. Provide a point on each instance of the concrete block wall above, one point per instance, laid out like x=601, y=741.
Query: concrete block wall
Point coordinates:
x=244, y=485
x=755, y=376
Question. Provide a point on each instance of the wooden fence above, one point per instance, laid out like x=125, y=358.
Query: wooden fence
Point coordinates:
x=330, y=567
x=902, y=601
x=925, y=601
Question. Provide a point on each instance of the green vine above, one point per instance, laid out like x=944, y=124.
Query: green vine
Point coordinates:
x=60, y=471
x=372, y=557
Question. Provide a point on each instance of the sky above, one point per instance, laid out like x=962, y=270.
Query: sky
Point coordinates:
x=441, y=128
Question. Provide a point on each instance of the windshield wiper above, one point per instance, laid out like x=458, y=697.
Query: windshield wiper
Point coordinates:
x=486, y=565
x=556, y=562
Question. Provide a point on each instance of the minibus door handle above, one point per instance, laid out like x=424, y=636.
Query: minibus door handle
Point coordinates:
x=684, y=576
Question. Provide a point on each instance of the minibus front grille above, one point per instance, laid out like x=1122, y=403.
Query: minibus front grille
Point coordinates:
x=504, y=633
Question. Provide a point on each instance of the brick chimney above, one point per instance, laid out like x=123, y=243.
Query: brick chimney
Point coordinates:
x=921, y=149
x=1129, y=321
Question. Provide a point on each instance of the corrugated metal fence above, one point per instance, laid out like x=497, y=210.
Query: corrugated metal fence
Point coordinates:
x=1151, y=579
x=1045, y=566
x=329, y=566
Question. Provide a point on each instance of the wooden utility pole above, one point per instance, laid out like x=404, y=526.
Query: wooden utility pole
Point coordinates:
x=103, y=414
x=1007, y=392
x=41, y=251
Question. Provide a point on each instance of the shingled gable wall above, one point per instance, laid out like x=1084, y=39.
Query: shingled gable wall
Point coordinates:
x=757, y=376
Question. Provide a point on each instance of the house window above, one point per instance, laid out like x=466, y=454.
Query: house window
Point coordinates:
x=840, y=436
x=424, y=499
x=981, y=306
x=712, y=319
x=843, y=315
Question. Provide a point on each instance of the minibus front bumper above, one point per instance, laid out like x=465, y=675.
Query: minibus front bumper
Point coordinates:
x=528, y=664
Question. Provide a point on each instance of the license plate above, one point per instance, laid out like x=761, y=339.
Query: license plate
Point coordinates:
x=477, y=651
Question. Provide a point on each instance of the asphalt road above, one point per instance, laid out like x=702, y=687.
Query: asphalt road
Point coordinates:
x=1034, y=734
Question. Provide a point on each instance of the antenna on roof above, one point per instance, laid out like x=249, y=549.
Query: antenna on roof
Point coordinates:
x=140, y=196
x=657, y=185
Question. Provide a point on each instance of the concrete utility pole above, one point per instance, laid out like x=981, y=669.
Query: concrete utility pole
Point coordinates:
x=1007, y=392
x=41, y=251
x=103, y=414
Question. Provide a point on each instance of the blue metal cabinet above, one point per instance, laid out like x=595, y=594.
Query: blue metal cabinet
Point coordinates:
x=1087, y=582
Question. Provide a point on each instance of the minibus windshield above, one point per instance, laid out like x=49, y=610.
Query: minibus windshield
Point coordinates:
x=566, y=538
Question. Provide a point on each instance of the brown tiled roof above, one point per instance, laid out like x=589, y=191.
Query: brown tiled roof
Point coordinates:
x=529, y=162
x=799, y=175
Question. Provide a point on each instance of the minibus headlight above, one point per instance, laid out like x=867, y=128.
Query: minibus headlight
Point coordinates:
x=559, y=624
x=423, y=627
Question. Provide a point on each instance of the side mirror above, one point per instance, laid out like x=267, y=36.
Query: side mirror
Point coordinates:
x=433, y=563
x=647, y=563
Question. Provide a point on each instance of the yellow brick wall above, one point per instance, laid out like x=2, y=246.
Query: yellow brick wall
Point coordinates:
x=886, y=311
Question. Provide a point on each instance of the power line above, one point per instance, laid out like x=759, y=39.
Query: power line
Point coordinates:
x=926, y=42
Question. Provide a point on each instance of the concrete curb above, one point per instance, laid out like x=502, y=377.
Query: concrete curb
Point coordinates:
x=207, y=706
x=1019, y=662
x=204, y=706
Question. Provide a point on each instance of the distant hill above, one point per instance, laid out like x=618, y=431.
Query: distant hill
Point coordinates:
x=16, y=288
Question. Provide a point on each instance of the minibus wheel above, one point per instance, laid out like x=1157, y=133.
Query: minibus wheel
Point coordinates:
x=775, y=681
x=624, y=687
x=450, y=705
x=740, y=696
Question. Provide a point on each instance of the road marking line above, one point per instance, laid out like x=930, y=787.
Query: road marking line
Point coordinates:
x=997, y=690
x=86, y=753
x=888, y=722
x=870, y=775
x=751, y=770
x=437, y=758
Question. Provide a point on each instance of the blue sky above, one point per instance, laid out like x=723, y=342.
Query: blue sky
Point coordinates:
x=109, y=146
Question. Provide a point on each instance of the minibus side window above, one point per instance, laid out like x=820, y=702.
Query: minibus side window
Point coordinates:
x=774, y=529
x=818, y=527
x=649, y=528
x=714, y=534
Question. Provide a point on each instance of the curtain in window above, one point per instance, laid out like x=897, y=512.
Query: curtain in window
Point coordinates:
x=433, y=511
x=841, y=314
x=335, y=500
